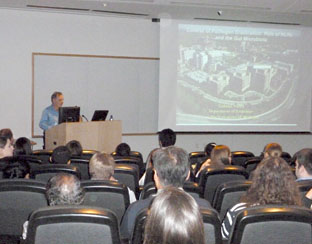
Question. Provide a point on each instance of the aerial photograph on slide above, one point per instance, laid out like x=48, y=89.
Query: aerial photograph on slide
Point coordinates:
x=239, y=76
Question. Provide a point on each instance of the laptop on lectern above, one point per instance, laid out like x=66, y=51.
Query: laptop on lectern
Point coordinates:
x=99, y=115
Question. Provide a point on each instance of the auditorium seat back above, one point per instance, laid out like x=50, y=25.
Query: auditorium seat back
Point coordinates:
x=212, y=177
x=106, y=194
x=228, y=194
x=19, y=198
x=46, y=171
x=73, y=225
x=272, y=224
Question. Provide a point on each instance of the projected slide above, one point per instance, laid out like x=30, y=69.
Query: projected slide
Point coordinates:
x=238, y=78
x=239, y=74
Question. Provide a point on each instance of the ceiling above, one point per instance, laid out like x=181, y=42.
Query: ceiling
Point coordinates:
x=278, y=11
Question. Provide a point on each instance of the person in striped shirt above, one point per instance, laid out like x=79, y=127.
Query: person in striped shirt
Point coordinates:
x=272, y=183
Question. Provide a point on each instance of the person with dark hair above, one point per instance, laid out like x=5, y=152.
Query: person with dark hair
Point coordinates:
x=60, y=155
x=11, y=167
x=6, y=148
x=208, y=148
x=62, y=189
x=123, y=149
x=166, y=137
x=102, y=167
x=172, y=168
x=6, y=132
x=22, y=147
x=50, y=114
x=74, y=147
x=303, y=160
x=174, y=218
x=272, y=183
x=16, y=169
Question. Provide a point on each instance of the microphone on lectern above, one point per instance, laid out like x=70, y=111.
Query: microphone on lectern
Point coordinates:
x=84, y=117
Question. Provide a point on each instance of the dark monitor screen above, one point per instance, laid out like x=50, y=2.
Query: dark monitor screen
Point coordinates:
x=99, y=115
x=69, y=114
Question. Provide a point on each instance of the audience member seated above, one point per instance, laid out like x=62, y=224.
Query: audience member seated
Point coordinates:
x=220, y=156
x=149, y=164
x=123, y=149
x=272, y=183
x=198, y=158
x=174, y=218
x=62, y=189
x=303, y=160
x=11, y=167
x=209, y=147
x=166, y=138
x=6, y=148
x=172, y=168
x=272, y=150
x=102, y=166
x=60, y=155
x=6, y=132
x=75, y=148
x=22, y=146
x=16, y=169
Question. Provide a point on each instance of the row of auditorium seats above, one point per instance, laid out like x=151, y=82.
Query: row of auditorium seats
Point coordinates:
x=256, y=225
x=20, y=197
x=128, y=174
x=216, y=185
x=269, y=224
x=239, y=158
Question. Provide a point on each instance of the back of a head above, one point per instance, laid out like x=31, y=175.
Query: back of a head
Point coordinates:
x=273, y=182
x=172, y=166
x=304, y=158
x=123, y=149
x=60, y=155
x=22, y=146
x=167, y=137
x=209, y=147
x=64, y=189
x=273, y=150
x=6, y=132
x=101, y=166
x=220, y=155
x=174, y=217
x=74, y=147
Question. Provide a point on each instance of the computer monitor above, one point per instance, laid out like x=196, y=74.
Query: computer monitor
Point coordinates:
x=99, y=115
x=69, y=114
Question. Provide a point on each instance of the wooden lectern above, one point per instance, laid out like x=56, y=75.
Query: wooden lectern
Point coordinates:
x=94, y=135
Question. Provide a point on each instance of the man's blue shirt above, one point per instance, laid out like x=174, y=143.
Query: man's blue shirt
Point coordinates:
x=49, y=118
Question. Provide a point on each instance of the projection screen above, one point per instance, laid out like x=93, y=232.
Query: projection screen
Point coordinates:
x=240, y=77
